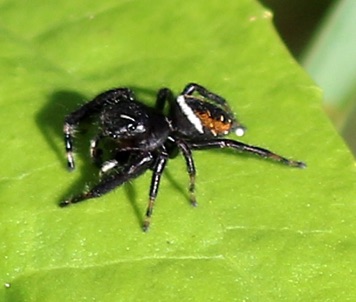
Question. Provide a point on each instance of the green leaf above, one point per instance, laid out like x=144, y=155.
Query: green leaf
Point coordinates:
x=261, y=232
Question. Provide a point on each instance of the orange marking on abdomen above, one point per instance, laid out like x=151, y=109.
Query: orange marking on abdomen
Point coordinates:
x=215, y=126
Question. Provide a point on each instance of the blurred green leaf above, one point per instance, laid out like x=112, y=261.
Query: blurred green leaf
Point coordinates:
x=330, y=59
x=262, y=231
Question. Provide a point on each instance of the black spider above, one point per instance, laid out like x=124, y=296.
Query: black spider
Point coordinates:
x=144, y=137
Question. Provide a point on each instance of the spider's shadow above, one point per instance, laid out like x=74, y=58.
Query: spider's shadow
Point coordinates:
x=50, y=122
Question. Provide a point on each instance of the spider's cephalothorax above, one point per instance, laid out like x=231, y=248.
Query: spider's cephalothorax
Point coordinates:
x=146, y=137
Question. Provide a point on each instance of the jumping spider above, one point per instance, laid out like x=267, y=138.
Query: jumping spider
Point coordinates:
x=196, y=119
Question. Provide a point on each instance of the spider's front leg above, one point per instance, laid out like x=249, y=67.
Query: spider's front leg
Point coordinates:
x=89, y=109
x=228, y=143
x=138, y=165
x=96, y=153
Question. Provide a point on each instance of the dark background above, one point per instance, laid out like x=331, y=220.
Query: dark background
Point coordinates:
x=297, y=20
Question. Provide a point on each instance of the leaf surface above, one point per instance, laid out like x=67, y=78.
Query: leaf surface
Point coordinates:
x=261, y=232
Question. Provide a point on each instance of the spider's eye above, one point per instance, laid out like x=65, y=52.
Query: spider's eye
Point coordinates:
x=135, y=128
x=131, y=127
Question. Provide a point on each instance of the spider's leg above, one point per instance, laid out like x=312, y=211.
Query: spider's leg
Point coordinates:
x=68, y=141
x=108, y=165
x=158, y=168
x=193, y=87
x=228, y=143
x=95, y=152
x=164, y=95
x=87, y=110
x=138, y=166
x=191, y=169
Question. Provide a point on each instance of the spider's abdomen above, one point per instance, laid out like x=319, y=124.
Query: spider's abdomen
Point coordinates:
x=196, y=117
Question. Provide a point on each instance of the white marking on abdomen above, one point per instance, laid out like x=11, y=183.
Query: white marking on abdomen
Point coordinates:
x=188, y=112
